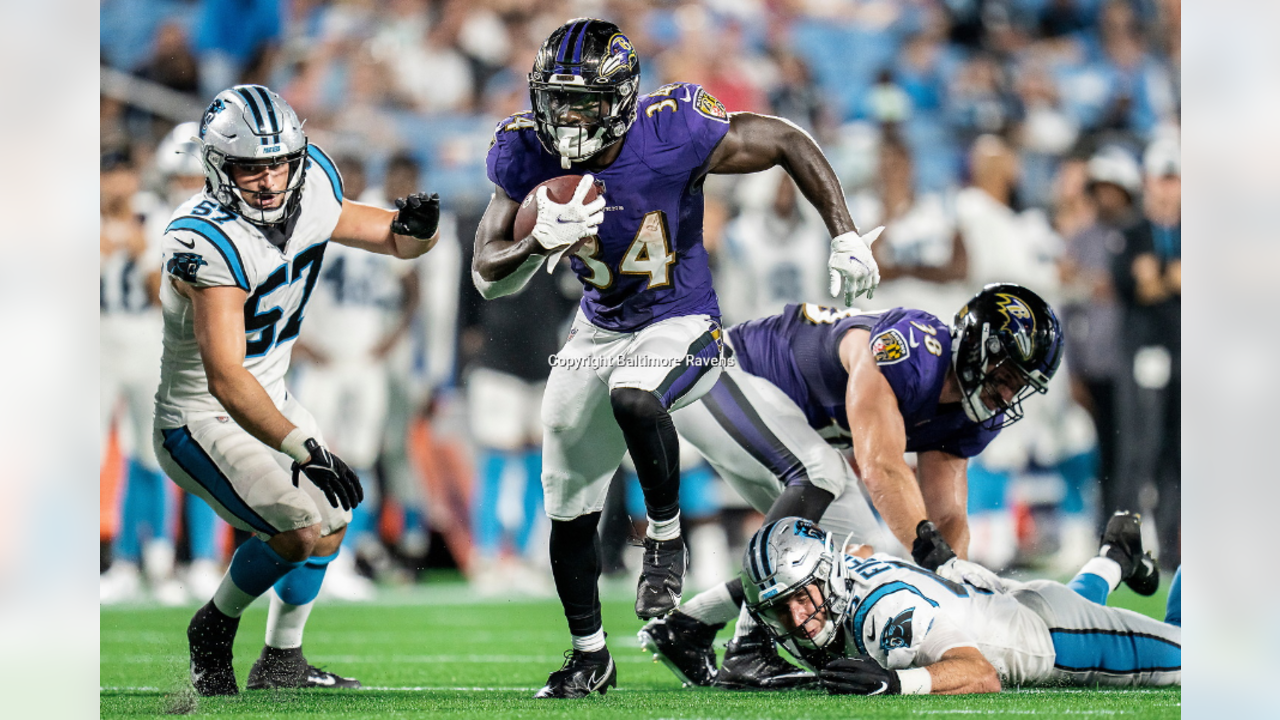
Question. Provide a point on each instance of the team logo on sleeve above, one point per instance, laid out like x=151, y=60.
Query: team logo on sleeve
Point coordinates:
x=897, y=632
x=1019, y=323
x=185, y=265
x=889, y=347
x=706, y=104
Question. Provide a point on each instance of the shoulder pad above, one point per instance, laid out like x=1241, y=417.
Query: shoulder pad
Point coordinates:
x=892, y=622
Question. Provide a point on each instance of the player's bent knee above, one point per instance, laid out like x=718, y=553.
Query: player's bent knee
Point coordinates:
x=635, y=404
x=330, y=543
x=296, y=545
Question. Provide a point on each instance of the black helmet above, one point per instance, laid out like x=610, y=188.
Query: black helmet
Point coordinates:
x=588, y=67
x=1005, y=336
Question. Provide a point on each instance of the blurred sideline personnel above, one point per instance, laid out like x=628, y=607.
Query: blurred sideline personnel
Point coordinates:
x=648, y=334
x=872, y=624
x=1148, y=280
x=242, y=259
x=361, y=309
x=504, y=397
x=129, y=336
x=887, y=383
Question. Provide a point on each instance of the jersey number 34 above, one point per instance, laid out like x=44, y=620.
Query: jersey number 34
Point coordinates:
x=648, y=254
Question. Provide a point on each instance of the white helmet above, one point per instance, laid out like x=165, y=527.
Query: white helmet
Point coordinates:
x=250, y=125
x=784, y=558
x=1115, y=165
x=179, y=152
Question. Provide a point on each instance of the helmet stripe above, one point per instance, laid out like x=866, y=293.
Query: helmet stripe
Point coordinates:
x=582, y=37
x=252, y=104
x=271, y=108
x=569, y=38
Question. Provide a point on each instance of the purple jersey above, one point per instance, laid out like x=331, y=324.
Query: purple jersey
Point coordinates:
x=650, y=263
x=799, y=351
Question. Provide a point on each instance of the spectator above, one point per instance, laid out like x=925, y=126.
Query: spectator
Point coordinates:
x=1149, y=282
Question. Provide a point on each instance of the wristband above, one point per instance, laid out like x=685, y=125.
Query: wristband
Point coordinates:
x=294, y=445
x=916, y=681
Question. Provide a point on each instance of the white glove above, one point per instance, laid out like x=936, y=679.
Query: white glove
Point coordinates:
x=560, y=226
x=963, y=571
x=853, y=269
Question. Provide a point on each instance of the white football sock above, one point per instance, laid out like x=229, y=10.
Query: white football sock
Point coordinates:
x=285, y=623
x=713, y=606
x=746, y=623
x=230, y=599
x=664, y=529
x=589, y=643
x=1105, y=568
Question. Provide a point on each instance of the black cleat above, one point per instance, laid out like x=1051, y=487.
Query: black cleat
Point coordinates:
x=751, y=662
x=210, y=636
x=1122, y=542
x=684, y=645
x=661, y=577
x=287, y=668
x=582, y=674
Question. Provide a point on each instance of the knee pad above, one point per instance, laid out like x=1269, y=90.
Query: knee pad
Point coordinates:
x=635, y=405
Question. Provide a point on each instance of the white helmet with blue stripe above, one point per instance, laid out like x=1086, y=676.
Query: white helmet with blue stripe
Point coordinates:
x=247, y=126
x=787, y=557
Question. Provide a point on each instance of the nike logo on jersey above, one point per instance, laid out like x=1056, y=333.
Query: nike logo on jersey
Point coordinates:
x=187, y=244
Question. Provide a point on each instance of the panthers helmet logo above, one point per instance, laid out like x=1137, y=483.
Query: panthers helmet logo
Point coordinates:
x=210, y=113
x=1019, y=322
x=897, y=632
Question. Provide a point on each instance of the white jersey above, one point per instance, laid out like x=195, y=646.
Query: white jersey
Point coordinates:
x=357, y=302
x=905, y=616
x=205, y=246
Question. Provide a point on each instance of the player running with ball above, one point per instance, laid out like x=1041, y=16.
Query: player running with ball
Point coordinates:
x=241, y=259
x=648, y=314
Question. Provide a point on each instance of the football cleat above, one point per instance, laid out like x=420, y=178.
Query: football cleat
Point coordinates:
x=684, y=645
x=287, y=668
x=1122, y=542
x=210, y=636
x=661, y=577
x=751, y=662
x=582, y=674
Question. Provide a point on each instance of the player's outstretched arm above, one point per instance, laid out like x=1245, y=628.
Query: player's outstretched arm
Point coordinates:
x=408, y=232
x=944, y=483
x=502, y=265
x=218, y=317
x=759, y=142
x=880, y=440
x=960, y=671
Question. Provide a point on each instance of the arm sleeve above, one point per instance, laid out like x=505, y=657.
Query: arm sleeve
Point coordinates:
x=198, y=252
x=510, y=284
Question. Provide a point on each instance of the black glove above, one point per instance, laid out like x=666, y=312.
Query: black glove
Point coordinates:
x=859, y=676
x=419, y=215
x=330, y=474
x=930, y=549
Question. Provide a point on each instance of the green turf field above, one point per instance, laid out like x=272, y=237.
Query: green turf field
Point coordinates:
x=437, y=651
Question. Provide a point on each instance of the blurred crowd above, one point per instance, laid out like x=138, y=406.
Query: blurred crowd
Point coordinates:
x=1029, y=141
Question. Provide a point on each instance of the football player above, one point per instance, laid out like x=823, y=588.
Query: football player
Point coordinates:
x=887, y=383
x=871, y=624
x=647, y=338
x=241, y=259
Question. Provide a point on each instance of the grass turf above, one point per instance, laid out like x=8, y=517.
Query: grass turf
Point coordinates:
x=438, y=651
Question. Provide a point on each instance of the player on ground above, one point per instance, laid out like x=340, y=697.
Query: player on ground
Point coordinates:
x=888, y=383
x=649, y=320
x=875, y=625
x=241, y=259
x=647, y=336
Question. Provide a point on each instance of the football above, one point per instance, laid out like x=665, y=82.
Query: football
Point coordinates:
x=559, y=189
